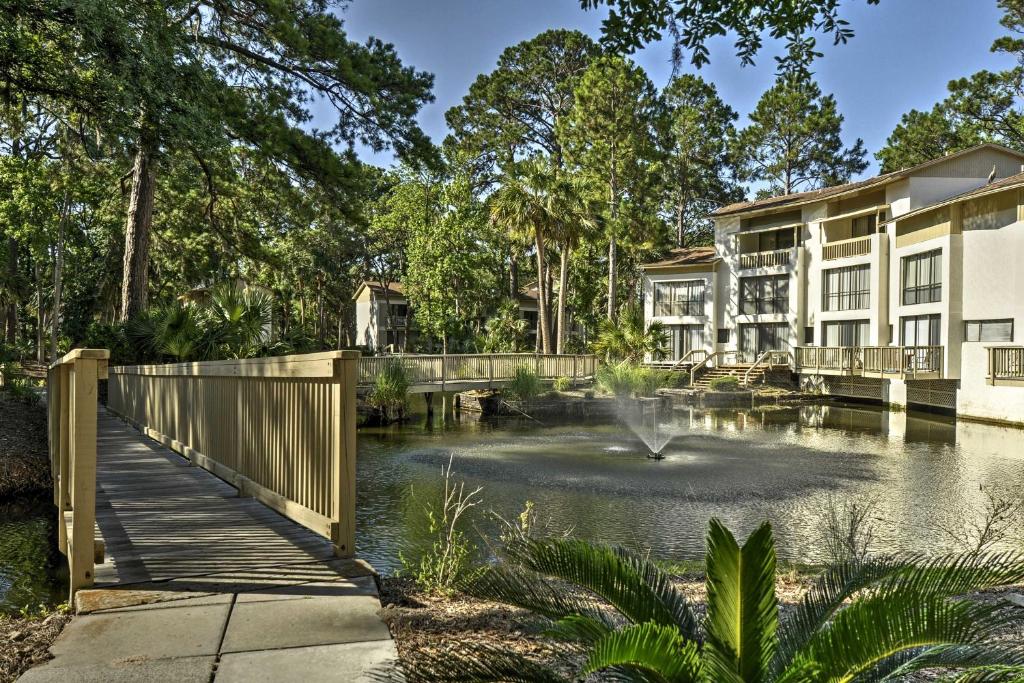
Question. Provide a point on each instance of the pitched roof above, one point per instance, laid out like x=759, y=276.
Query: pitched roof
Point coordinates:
x=801, y=198
x=394, y=288
x=1008, y=183
x=686, y=256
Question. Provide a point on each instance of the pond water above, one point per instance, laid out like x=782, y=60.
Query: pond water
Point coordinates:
x=927, y=476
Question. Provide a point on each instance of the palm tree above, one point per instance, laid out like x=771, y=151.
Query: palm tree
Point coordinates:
x=575, y=221
x=628, y=339
x=865, y=620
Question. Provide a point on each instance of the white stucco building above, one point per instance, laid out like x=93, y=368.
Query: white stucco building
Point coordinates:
x=903, y=287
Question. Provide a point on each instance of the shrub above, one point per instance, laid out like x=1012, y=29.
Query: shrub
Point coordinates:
x=562, y=384
x=628, y=379
x=441, y=554
x=390, y=392
x=725, y=384
x=847, y=532
x=525, y=385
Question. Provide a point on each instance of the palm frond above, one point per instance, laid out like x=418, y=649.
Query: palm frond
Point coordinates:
x=645, y=652
x=637, y=588
x=875, y=628
x=955, y=574
x=742, y=618
x=991, y=674
x=825, y=596
x=1002, y=657
x=579, y=628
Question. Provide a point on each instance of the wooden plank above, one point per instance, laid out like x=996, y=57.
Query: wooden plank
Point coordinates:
x=83, y=472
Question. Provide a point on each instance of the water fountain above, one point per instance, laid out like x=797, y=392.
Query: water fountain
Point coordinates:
x=643, y=418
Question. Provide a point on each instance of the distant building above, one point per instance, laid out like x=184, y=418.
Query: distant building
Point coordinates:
x=905, y=287
x=385, y=322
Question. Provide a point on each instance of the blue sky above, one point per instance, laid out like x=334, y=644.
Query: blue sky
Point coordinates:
x=903, y=54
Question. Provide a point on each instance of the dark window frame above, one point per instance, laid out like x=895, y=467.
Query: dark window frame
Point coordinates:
x=690, y=304
x=935, y=325
x=922, y=290
x=763, y=300
x=847, y=298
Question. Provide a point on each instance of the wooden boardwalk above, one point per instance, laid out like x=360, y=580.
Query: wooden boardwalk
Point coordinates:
x=199, y=584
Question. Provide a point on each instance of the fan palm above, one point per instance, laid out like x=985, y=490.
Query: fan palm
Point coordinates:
x=871, y=620
x=628, y=339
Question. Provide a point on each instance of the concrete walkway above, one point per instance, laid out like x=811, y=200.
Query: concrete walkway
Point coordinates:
x=201, y=585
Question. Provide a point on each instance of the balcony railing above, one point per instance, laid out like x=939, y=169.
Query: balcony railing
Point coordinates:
x=903, y=362
x=766, y=259
x=858, y=246
x=1005, y=364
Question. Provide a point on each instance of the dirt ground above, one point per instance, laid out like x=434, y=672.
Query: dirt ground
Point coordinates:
x=24, y=461
x=25, y=642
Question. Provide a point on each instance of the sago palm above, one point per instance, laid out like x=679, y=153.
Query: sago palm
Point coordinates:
x=621, y=616
x=629, y=339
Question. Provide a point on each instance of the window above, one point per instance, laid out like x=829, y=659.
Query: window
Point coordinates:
x=847, y=289
x=757, y=338
x=723, y=335
x=683, y=339
x=988, y=330
x=920, y=330
x=764, y=294
x=808, y=335
x=679, y=298
x=922, y=278
x=775, y=239
x=862, y=226
x=844, y=333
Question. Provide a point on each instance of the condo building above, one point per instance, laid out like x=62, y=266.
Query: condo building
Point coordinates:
x=906, y=287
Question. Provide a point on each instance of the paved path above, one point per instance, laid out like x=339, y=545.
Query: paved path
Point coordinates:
x=201, y=585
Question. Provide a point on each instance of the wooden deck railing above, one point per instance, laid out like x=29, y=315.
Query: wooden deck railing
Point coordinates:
x=857, y=246
x=766, y=259
x=493, y=367
x=832, y=358
x=282, y=430
x=906, y=362
x=71, y=403
x=1006, y=364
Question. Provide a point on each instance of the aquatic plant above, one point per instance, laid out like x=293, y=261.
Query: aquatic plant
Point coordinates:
x=627, y=379
x=562, y=384
x=524, y=385
x=390, y=393
x=619, y=614
x=724, y=384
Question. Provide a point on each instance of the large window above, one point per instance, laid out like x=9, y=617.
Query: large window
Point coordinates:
x=920, y=330
x=922, y=278
x=757, y=338
x=844, y=333
x=679, y=298
x=988, y=330
x=847, y=289
x=764, y=294
x=775, y=239
x=683, y=339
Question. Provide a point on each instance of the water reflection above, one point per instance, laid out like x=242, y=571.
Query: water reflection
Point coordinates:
x=926, y=472
x=31, y=571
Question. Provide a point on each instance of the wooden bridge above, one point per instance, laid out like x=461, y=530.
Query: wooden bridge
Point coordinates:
x=462, y=372
x=197, y=507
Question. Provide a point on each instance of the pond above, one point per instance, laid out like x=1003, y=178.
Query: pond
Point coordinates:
x=927, y=476
x=31, y=568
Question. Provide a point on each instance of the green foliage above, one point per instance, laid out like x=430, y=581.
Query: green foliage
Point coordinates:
x=562, y=384
x=724, y=384
x=390, y=393
x=524, y=385
x=626, y=379
x=439, y=551
x=16, y=386
x=505, y=331
x=793, y=141
x=620, y=614
x=921, y=136
x=628, y=339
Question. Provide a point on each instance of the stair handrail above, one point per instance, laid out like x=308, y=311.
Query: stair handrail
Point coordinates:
x=767, y=354
x=686, y=357
x=704, y=363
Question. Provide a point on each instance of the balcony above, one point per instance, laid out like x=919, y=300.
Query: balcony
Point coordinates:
x=882, y=362
x=766, y=259
x=1006, y=365
x=856, y=246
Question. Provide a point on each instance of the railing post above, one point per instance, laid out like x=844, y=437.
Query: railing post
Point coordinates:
x=343, y=456
x=82, y=439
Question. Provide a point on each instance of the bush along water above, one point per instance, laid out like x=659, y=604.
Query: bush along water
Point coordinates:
x=626, y=379
x=724, y=384
x=524, y=386
x=390, y=393
x=562, y=384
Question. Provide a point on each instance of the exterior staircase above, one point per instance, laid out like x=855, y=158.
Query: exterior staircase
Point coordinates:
x=762, y=375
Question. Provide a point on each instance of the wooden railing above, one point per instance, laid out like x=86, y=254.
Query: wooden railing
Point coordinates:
x=494, y=367
x=857, y=246
x=712, y=360
x=766, y=259
x=831, y=358
x=282, y=430
x=71, y=403
x=768, y=360
x=903, y=361
x=1006, y=364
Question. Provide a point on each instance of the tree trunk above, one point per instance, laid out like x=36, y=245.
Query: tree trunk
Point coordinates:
x=40, y=313
x=11, y=314
x=563, y=293
x=544, y=327
x=513, y=278
x=58, y=275
x=680, y=226
x=135, y=273
x=612, y=279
